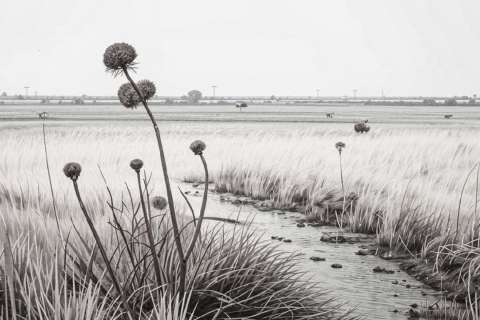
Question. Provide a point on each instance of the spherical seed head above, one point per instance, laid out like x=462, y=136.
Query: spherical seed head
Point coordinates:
x=147, y=88
x=72, y=170
x=198, y=146
x=340, y=145
x=119, y=56
x=136, y=164
x=159, y=202
x=128, y=96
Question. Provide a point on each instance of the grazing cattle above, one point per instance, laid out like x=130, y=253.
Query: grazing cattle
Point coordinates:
x=330, y=114
x=361, y=127
x=43, y=115
x=448, y=116
x=241, y=105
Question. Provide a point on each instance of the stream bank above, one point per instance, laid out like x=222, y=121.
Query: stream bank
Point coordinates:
x=345, y=264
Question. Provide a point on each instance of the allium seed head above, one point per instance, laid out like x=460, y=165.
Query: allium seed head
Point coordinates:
x=72, y=170
x=147, y=88
x=159, y=202
x=361, y=127
x=128, y=96
x=136, y=164
x=198, y=146
x=340, y=145
x=119, y=56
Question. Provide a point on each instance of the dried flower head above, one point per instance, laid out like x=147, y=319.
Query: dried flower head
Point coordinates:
x=159, y=202
x=340, y=145
x=72, y=170
x=136, y=164
x=361, y=127
x=128, y=96
x=147, y=88
x=119, y=56
x=198, y=146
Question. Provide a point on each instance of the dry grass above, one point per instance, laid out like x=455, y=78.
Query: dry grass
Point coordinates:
x=409, y=180
x=232, y=274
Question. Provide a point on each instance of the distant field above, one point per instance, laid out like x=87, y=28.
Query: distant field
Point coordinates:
x=462, y=116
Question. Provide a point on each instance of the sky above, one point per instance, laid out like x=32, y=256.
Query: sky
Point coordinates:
x=245, y=47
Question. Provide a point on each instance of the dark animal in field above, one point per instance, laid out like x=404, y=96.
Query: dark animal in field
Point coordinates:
x=448, y=116
x=241, y=105
x=42, y=115
x=330, y=114
x=361, y=127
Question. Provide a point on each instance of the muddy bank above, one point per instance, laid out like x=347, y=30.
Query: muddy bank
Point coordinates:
x=346, y=264
x=326, y=213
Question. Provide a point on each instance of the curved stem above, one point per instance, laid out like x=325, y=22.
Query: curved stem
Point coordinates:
x=54, y=202
x=178, y=242
x=341, y=174
x=189, y=205
x=202, y=211
x=343, y=189
x=156, y=265
x=102, y=251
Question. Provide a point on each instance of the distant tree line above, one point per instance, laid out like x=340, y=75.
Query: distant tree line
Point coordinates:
x=426, y=102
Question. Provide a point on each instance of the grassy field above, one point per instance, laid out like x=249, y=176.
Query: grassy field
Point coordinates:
x=416, y=181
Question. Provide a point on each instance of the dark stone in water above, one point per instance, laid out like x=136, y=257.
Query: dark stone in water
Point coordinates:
x=301, y=225
x=413, y=314
x=379, y=269
x=414, y=305
x=315, y=224
x=317, y=259
x=274, y=237
x=333, y=239
x=195, y=185
x=362, y=252
x=395, y=282
x=337, y=237
x=287, y=240
x=408, y=286
x=336, y=266
x=395, y=295
x=187, y=192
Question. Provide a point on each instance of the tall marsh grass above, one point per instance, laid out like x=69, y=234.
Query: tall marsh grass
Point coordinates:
x=408, y=180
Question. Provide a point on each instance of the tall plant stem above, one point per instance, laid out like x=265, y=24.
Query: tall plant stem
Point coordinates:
x=341, y=174
x=460, y=202
x=178, y=242
x=202, y=212
x=156, y=265
x=343, y=186
x=103, y=252
x=54, y=202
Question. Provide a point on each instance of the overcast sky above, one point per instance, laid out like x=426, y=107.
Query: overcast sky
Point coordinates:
x=258, y=47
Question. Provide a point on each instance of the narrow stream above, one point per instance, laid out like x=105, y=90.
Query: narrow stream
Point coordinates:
x=371, y=295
